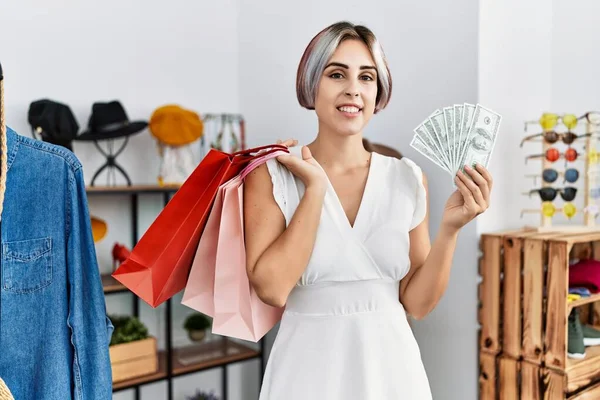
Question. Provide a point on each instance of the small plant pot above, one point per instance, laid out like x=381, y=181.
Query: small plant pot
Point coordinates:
x=197, y=335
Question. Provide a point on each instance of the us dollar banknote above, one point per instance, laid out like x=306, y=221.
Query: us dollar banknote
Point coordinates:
x=465, y=124
x=439, y=127
x=481, y=137
x=419, y=144
x=449, y=125
x=430, y=131
x=458, y=112
x=460, y=134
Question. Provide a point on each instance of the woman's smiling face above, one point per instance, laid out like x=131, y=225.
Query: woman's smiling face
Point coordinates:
x=347, y=91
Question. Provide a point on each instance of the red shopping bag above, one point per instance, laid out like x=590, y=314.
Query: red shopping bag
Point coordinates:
x=159, y=264
x=218, y=285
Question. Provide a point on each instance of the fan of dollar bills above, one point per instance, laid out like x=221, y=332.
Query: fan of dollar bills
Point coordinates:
x=458, y=135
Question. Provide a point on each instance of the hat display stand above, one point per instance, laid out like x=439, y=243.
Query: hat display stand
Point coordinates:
x=224, y=132
x=583, y=151
x=111, y=164
x=107, y=123
x=176, y=131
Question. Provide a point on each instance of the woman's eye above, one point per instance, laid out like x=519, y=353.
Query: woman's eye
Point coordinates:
x=367, y=78
x=335, y=75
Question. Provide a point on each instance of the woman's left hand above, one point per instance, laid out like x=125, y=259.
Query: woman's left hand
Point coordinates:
x=471, y=198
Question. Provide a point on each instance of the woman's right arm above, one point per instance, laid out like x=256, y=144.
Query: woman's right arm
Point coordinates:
x=277, y=256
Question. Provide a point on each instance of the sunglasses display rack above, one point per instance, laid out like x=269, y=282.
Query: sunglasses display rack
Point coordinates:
x=569, y=171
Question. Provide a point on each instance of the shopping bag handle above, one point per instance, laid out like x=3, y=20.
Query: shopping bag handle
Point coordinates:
x=260, y=160
x=257, y=149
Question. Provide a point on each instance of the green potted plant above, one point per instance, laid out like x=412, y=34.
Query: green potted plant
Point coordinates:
x=127, y=329
x=196, y=325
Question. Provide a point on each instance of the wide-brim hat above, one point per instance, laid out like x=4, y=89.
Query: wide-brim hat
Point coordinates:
x=99, y=229
x=109, y=121
x=174, y=125
x=53, y=121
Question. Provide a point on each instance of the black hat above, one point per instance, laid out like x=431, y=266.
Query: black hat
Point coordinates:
x=109, y=121
x=53, y=121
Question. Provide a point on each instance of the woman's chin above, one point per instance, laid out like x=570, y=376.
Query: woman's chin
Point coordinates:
x=349, y=129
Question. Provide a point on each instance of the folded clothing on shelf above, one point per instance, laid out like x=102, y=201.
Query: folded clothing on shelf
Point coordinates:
x=585, y=274
x=582, y=291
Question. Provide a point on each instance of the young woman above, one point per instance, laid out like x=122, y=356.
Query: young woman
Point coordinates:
x=339, y=236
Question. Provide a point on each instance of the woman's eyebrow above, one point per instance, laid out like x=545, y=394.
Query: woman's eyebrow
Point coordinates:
x=338, y=64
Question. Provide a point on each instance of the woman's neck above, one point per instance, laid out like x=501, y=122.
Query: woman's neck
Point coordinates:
x=335, y=152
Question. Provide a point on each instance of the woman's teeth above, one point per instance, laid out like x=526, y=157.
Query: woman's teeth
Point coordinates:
x=349, y=109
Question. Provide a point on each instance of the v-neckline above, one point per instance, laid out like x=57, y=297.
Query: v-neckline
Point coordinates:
x=363, y=200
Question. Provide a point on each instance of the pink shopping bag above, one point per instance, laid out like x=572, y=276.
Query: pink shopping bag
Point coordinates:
x=218, y=284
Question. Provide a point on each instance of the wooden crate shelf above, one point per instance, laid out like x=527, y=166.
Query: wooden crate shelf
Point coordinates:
x=523, y=313
x=504, y=378
x=581, y=373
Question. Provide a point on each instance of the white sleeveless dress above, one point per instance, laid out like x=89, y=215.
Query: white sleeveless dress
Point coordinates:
x=344, y=333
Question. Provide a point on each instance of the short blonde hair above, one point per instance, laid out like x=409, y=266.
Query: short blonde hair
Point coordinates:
x=320, y=50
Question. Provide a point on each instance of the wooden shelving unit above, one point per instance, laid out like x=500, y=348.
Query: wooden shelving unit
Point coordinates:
x=214, y=354
x=523, y=313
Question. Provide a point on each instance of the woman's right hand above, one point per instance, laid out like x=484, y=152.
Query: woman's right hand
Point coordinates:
x=307, y=169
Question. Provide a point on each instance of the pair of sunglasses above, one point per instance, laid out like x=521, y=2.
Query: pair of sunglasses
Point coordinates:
x=549, y=194
x=550, y=175
x=553, y=155
x=550, y=120
x=553, y=137
x=549, y=210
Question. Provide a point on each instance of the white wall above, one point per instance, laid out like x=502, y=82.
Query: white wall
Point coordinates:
x=146, y=54
x=575, y=82
x=515, y=79
x=543, y=63
x=432, y=50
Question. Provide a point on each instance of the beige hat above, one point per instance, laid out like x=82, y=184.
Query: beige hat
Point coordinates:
x=4, y=392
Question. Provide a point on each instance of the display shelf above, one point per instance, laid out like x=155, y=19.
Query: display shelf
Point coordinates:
x=136, y=189
x=111, y=285
x=591, y=393
x=201, y=357
x=209, y=355
x=224, y=352
x=581, y=373
x=583, y=301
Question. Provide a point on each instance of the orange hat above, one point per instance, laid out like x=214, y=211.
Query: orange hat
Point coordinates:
x=98, y=229
x=175, y=126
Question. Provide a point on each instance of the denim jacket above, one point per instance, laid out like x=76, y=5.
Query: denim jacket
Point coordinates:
x=54, y=330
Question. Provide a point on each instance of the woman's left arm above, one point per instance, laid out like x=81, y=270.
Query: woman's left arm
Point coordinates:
x=426, y=282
